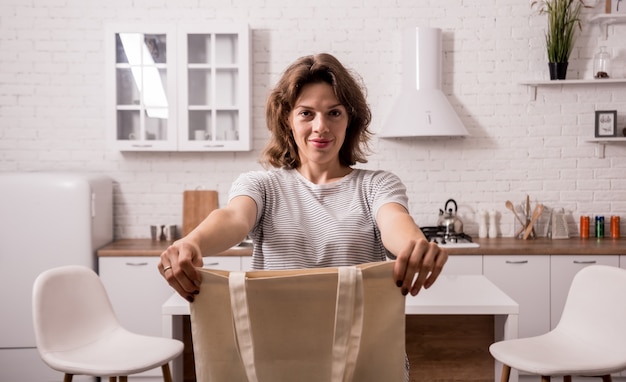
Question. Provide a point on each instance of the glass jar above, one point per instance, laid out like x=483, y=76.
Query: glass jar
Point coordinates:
x=602, y=64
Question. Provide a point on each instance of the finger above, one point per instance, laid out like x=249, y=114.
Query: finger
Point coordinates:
x=427, y=254
x=178, y=273
x=440, y=260
x=413, y=277
x=402, y=273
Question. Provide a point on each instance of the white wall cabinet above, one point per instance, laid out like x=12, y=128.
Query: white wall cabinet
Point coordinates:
x=180, y=87
x=526, y=279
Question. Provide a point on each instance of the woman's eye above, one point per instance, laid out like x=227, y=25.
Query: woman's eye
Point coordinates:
x=335, y=113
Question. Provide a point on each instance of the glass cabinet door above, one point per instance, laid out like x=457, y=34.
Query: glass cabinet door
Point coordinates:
x=214, y=107
x=143, y=90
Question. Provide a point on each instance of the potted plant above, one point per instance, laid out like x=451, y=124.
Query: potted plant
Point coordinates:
x=563, y=20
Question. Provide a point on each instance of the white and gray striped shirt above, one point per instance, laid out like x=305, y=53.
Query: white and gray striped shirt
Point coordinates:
x=304, y=225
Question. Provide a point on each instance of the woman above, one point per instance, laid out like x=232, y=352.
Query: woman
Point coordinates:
x=313, y=209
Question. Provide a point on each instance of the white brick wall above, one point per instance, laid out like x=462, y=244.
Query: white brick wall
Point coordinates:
x=52, y=102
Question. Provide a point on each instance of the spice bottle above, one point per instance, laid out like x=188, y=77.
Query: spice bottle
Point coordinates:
x=584, y=227
x=482, y=224
x=602, y=64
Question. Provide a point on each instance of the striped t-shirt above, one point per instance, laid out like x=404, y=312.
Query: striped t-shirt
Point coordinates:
x=300, y=224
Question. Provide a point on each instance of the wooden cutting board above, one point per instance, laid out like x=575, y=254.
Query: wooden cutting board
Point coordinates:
x=197, y=205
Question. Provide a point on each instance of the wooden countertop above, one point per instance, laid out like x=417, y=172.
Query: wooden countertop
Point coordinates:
x=149, y=247
x=498, y=246
x=543, y=246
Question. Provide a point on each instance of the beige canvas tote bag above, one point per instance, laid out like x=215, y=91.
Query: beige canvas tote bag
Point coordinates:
x=313, y=325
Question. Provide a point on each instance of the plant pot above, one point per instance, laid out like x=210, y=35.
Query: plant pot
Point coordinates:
x=558, y=70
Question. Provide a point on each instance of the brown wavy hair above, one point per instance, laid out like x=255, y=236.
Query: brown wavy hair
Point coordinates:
x=281, y=151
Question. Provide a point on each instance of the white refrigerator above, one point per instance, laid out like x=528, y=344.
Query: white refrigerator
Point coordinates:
x=46, y=220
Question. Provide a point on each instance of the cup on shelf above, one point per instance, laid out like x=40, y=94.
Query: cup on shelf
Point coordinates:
x=199, y=135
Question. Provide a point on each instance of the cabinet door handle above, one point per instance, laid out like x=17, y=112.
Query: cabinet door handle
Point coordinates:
x=211, y=264
x=142, y=264
x=516, y=262
x=584, y=262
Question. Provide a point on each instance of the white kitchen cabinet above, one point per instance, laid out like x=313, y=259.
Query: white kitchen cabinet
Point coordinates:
x=214, y=90
x=463, y=265
x=562, y=272
x=137, y=291
x=526, y=279
x=246, y=263
x=227, y=263
x=622, y=264
x=178, y=87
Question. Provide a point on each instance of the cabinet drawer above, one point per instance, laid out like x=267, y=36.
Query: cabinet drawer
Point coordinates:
x=526, y=279
x=136, y=290
x=562, y=272
x=227, y=263
x=464, y=265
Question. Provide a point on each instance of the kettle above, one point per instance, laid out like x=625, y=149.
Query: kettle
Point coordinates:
x=448, y=220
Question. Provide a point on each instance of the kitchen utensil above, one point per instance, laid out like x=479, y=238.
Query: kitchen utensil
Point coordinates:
x=510, y=206
x=532, y=231
x=449, y=220
x=536, y=214
x=559, y=225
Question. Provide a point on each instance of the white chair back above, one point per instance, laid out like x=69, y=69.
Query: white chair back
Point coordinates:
x=70, y=309
x=595, y=309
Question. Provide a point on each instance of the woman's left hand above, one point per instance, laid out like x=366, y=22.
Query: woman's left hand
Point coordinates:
x=418, y=264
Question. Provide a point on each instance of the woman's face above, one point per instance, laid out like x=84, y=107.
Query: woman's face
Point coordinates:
x=319, y=123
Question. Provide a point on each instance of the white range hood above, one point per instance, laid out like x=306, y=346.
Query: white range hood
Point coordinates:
x=421, y=109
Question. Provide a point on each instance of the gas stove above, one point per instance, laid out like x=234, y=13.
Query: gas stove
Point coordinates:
x=438, y=234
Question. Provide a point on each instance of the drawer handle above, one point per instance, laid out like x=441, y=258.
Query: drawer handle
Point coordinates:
x=516, y=262
x=211, y=264
x=584, y=262
x=143, y=264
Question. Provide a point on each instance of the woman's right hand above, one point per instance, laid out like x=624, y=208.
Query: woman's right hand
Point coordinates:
x=178, y=266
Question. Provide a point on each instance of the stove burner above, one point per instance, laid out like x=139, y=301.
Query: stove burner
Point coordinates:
x=437, y=234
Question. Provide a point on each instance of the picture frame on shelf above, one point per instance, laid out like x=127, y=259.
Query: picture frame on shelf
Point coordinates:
x=606, y=124
x=615, y=6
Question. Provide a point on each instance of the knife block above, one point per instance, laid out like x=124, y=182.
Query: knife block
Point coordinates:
x=197, y=205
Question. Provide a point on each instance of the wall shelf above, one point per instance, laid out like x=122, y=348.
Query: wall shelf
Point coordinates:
x=602, y=142
x=534, y=84
x=606, y=19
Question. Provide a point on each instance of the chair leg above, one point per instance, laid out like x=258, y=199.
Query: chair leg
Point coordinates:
x=506, y=373
x=545, y=378
x=68, y=377
x=567, y=378
x=607, y=378
x=167, y=375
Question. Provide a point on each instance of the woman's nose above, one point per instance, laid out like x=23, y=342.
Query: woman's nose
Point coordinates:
x=320, y=123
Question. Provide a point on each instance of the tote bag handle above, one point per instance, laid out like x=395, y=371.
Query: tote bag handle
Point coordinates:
x=348, y=323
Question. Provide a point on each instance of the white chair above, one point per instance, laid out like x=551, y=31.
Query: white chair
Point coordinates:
x=590, y=338
x=77, y=332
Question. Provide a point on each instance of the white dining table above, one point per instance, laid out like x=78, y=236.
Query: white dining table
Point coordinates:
x=450, y=295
